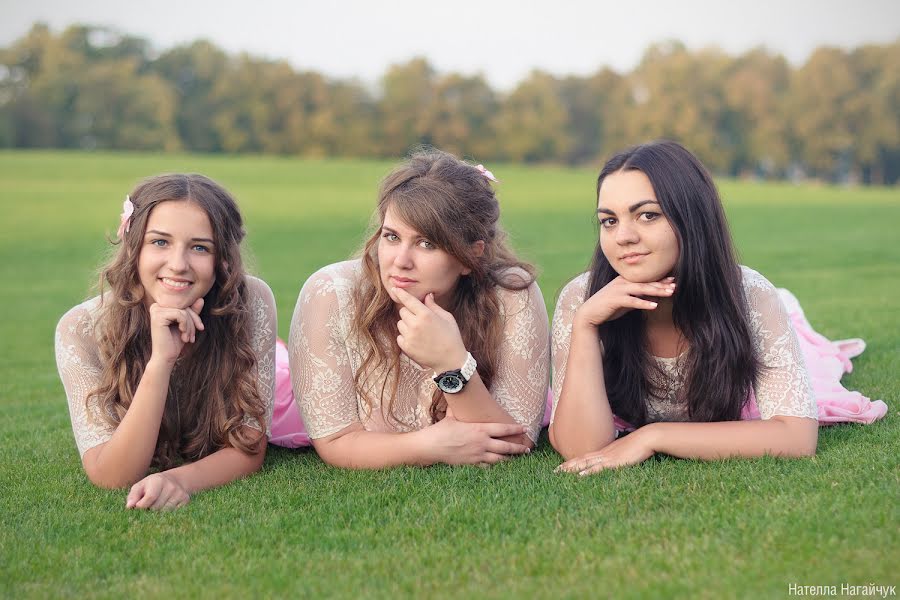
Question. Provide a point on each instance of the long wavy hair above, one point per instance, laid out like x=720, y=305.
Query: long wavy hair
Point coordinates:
x=709, y=305
x=213, y=388
x=453, y=205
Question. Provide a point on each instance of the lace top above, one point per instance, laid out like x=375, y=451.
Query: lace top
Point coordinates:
x=325, y=355
x=78, y=361
x=782, y=388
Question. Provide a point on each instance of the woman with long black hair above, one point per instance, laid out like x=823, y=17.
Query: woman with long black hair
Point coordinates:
x=669, y=337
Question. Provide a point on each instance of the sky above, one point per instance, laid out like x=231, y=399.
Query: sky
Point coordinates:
x=500, y=39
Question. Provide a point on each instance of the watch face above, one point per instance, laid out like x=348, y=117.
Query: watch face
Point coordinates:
x=450, y=383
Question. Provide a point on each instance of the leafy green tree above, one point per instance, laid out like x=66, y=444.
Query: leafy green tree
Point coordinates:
x=407, y=92
x=755, y=90
x=192, y=71
x=677, y=94
x=533, y=123
x=459, y=117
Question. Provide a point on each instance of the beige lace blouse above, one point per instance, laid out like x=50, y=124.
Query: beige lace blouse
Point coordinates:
x=78, y=361
x=325, y=355
x=783, y=387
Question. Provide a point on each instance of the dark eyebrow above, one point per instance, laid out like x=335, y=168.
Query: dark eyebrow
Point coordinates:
x=631, y=208
x=168, y=235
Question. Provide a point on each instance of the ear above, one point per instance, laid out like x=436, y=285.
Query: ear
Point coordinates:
x=478, y=251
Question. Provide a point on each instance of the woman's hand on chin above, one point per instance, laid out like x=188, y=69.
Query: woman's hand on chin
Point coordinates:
x=429, y=334
x=620, y=296
x=172, y=328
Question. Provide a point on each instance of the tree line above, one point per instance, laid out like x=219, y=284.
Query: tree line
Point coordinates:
x=835, y=118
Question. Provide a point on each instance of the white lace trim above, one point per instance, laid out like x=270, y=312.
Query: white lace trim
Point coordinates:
x=325, y=356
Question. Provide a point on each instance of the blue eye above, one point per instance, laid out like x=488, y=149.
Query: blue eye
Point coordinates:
x=200, y=248
x=159, y=243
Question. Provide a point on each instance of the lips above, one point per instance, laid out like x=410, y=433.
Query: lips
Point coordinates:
x=402, y=282
x=175, y=285
x=633, y=257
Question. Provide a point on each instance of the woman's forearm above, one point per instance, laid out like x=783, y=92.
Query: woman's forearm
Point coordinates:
x=125, y=458
x=474, y=404
x=778, y=436
x=361, y=449
x=583, y=421
x=219, y=468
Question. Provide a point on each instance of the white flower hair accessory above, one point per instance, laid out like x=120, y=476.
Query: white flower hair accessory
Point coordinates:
x=487, y=174
x=127, y=211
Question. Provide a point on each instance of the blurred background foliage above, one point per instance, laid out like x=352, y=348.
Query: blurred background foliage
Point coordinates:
x=835, y=118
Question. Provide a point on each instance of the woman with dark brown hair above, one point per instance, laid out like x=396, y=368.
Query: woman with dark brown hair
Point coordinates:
x=668, y=337
x=432, y=346
x=171, y=367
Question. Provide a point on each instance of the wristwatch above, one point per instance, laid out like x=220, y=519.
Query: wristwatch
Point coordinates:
x=452, y=382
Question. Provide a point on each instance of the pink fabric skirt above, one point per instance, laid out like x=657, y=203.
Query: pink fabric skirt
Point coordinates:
x=826, y=361
x=287, y=426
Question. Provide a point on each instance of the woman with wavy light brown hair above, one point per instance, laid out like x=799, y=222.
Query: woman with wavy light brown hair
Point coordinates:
x=432, y=346
x=171, y=367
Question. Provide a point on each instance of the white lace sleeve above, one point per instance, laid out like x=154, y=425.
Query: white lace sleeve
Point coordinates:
x=78, y=362
x=570, y=299
x=321, y=373
x=265, y=328
x=523, y=370
x=783, y=386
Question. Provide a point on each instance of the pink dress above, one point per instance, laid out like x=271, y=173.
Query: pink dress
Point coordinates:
x=287, y=426
x=827, y=362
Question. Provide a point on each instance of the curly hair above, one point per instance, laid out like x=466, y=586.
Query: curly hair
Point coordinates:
x=451, y=203
x=212, y=391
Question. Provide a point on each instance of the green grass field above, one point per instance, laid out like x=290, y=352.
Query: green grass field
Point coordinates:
x=738, y=528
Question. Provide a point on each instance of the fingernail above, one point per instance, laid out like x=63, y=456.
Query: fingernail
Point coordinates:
x=655, y=304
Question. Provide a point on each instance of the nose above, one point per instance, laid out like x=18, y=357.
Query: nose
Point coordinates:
x=626, y=233
x=403, y=258
x=178, y=260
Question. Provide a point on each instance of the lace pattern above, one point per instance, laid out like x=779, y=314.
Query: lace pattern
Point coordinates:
x=325, y=355
x=783, y=387
x=78, y=362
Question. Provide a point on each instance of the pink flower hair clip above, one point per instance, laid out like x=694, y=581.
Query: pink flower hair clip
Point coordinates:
x=487, y=174
x=127, y=211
